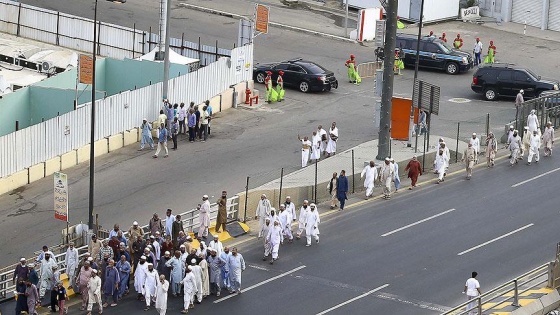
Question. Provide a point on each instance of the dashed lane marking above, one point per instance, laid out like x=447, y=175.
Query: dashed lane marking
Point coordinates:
x=353, y=299
x=536, y=177
x=496, y=239
x=417, y=222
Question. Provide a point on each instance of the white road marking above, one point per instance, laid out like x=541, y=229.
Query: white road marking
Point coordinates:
x=354, y=299
x=261, y=283
x=533, y=178
x=417, y=222
x=496, y=239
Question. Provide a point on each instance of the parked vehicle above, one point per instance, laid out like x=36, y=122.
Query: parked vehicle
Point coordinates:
x=434, y=54
x=304, y=75
x=497, y=80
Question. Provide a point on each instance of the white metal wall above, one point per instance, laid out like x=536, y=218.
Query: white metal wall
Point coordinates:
x=118, y=113
x=529, y=11
x=554, y=15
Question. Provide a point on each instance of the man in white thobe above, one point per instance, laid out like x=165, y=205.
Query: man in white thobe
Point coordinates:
x=514, y=146
x=47, y=279
x=534, y=148
x=161, y=295
x=150, y=285
x=216, y=244
x=440, y=162
x=312, y=221
x=532, y=122
x=548, y=139
x=324, y=138
x=387, y=175
x=189, y=283
x=291, y=207
x=263, y=209
x=169, y=219
x=225, y=268
x=332, y=139
x=305, y=147
x=285, y=218
x=267, y=249
x=396, y=178
x=476, y=146
x=236, y=265
x=526, y=142
x=301, y=220
x=197, y=272
x=370, y=174
x=315, y=146
x=140, y=275
x=94, y=292
x=72, y=262
x=204, y=217
x=274, y=238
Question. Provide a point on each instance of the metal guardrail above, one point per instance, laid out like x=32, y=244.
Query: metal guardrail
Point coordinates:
x=190, y=223
x=499, y=292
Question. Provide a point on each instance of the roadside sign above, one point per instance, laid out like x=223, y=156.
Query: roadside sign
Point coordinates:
x=85, y=69
x=426, y=97
x=61, y=196
x=379, y=33
x=261, y=18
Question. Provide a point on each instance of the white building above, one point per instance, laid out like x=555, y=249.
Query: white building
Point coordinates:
x=544, y=14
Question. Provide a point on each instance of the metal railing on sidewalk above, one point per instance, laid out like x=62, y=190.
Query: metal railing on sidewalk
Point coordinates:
x=190, y=224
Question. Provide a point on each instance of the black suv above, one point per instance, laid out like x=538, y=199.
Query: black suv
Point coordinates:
x=303, y=75
x=434, y=53
x=497, y=80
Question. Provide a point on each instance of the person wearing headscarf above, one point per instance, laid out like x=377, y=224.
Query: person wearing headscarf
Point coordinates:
x=370, y=173
x=312, y=221
x=534, y=148
x=414, y=170
x=161, y=295
x=274, y=238
x=532, y=121
x=514, y=147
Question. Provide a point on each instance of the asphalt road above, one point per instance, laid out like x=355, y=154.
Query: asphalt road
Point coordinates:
x=419, y=265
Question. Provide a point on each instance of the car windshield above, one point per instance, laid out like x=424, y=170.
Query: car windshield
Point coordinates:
x=534, y=75
x=446, y=48
x=314, y=68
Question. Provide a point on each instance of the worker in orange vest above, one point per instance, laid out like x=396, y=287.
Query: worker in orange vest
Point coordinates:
x=458, y=42
x=443, y=37
x=280, y=86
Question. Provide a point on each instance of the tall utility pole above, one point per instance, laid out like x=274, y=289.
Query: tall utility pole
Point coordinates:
x=384, y=145
x=411, y=124
x=166, y=11
x=92, y=130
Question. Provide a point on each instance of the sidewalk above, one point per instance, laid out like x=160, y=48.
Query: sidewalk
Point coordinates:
x=300, y=185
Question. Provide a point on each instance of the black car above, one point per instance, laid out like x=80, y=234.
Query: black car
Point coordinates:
x=434, y=53
x=497, y=80
x=303, y=75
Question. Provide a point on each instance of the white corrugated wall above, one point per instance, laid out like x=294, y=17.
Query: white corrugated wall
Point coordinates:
x=554, y=15
x=529, y=11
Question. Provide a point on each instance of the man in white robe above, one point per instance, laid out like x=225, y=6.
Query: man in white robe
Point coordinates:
x=197, y=272
x=177, y=266
x=204, y=217
x=215, y=263
x=514, y=146
x=370, y=174
x=476, y=146
x=94, y=292
x=47, y=275
x=150, y=285
x=548, y=139
x=439, y=168
x=189, y=283
x=205, y=276
x=301, y=220
x=396, y=178
x=534, y=148
x=291, y=207
x=324, y=138
x=387, y=175
x=312, y=221
x=315, y=146
x=267, y=248
x=274, y=238
x=285, y=218
x=72, y=262
x=469, y=157
x=215, y=243
x=532, y=122
x=305, y=147
x=236, y=265
x=526, y=142
x=332, y=139
x=161, y=295
x=263, y=209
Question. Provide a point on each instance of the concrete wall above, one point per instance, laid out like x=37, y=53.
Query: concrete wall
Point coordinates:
x=13, y=106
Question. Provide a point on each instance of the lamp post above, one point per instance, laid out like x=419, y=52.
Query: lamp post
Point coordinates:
x=417, y=61
x=92, y=127
x=166, y=53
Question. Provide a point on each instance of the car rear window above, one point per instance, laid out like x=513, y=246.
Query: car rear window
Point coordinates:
x=315, y=69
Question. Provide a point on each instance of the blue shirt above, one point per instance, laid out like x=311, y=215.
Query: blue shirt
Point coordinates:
x=209, y=109
x=191, y=120
x=163, y=135
x=170, y=113
x=342, y=187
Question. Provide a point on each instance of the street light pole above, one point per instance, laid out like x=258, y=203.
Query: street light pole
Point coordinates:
x=166, y=59
x=92, y=127
x=417, y=61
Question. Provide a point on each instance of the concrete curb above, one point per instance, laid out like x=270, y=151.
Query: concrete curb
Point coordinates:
x=541, y=306
x=275, y=24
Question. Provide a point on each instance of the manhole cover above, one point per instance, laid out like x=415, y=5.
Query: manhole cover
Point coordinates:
x=459, y=100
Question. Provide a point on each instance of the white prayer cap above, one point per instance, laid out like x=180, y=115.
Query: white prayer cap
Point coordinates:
x=217, y=236
x=94, y=270
x=511, y=127
x=263, y=195
x=205, y=196
x=145, y=119
x=392, y=160
x=211, y=249
x=150, y=264
x=151, y=236
x=189, y=238
x=532, y=111
x=147, y=249
x=312, y=205
x=55, y=267
x=387, y=159
x=167, y=253
x=22, y=259
x=87, y=254
x=121, y=244
x=182, y=246
x=135, y=223
x=31, y=265
x=474, y=133
x=288, y=197
x=143, y=257
x=203, y=243
x=90, y=259
x=267, y=219
x=193, y=261
x=526, y=127
x=189, y=267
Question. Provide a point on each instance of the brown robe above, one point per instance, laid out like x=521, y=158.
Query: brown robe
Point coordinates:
x=222, y=211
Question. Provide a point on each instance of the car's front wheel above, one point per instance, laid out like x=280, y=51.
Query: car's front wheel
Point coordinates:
x=260, y=77
x=304, y=86
x=490, y=94
x=452, y=68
